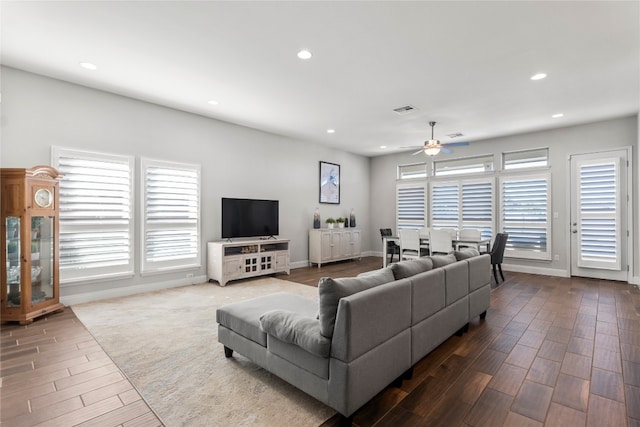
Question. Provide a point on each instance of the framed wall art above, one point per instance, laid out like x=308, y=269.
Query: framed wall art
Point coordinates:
x=329, y=183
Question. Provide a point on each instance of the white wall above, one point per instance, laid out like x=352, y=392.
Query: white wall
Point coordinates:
x=562, y=142
x=39, y=112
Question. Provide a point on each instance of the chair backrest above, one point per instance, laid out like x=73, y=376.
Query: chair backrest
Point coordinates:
x=497, y=251
x=424, y=232
x=410, y=239
x=470, y=233
x=452, y=231
x=440, y=241
x=385, y=232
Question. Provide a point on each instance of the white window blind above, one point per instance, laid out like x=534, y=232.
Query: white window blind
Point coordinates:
x=599, y=214
x=410, y=211
x=525, y=212
x=463, y=204
x=445, y=205
x=171, y=226
x=477, y=207
x=96, y=214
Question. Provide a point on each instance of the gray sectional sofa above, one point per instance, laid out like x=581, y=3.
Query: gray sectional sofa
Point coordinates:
x=364, y=332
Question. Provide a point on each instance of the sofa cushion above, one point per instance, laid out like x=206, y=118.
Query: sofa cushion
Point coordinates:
x=293, y=328
x=442, y=260
x=331, y=290
x=243, y=317
x=466, y=253
x=404, y=269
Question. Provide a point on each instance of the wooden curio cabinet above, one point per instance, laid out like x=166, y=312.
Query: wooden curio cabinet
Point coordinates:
x=29, y=264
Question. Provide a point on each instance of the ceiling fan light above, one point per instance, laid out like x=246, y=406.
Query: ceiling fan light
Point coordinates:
x=431, y=151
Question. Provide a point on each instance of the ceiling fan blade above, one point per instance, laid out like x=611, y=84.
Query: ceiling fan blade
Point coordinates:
x=446, y=150
x=406, y=147
x=417, y=152
x=455, y=144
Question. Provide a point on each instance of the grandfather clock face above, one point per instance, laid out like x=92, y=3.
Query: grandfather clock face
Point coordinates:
x=43, y=198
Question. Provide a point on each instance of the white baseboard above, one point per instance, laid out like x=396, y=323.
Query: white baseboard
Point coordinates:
x=129, y=290
x=535, y=270
x=635, y=280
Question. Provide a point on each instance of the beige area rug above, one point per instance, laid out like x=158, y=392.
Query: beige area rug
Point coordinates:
x=166, y=342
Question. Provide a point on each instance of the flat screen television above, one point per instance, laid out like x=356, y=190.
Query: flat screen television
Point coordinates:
x=249, y=218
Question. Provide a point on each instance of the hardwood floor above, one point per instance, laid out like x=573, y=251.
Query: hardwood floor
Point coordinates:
x=552, y=351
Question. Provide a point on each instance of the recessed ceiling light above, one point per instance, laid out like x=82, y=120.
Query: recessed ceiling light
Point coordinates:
x=304, y=54
x=88, y=66
x=557, y=116
x=331, y=131
x=213, y=102
x=383, y=147
x=538, y=76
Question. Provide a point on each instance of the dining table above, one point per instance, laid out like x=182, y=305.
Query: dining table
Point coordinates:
x=424, y=244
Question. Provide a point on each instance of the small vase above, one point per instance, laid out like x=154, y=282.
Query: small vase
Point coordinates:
x=329, y=225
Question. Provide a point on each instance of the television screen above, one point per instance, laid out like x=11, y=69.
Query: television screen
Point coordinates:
x=249, y=218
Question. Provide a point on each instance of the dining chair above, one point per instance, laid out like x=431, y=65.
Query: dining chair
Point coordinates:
x=497, y=254
x=440, y=241
x=409, y=243
x=452, y=231
x=471, y=234
x=392, y=247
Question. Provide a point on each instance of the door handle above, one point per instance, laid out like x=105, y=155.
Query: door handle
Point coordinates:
x=574, y=231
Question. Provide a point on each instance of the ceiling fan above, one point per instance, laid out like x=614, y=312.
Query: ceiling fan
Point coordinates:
x=433, y=146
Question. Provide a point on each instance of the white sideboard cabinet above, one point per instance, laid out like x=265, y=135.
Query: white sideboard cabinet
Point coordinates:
x=232, y=260
x=333, y=244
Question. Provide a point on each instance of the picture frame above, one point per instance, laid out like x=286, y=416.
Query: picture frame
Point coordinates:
x=329, y=187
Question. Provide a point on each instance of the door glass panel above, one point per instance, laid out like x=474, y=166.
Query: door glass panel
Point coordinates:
x=42, y=259
x=13, y=261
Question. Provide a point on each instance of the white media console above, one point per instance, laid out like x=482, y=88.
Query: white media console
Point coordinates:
x=240, y=259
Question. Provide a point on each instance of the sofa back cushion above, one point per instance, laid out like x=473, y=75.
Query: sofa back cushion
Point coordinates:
x=404, y=269
x=442, y=260
x=466, y=253
x=331, y=290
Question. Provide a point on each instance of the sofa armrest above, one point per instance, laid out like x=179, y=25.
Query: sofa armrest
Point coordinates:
x=297, y=329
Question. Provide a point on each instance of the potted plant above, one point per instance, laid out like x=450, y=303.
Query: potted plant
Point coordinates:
x=330, y=221
x=340, y=222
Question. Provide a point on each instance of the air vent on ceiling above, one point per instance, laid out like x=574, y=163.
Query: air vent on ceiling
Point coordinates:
x=404, y=110
x=455, y=135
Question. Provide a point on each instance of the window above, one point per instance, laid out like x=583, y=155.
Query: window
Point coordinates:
x=525, y=213
x=410, y=206
x=418, y=170
x=463, y=166
x=171, y=225
x=525, y=159
x=95, y=214
x=463, y=204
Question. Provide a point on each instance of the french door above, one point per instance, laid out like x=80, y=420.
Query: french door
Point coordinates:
x=599, y=215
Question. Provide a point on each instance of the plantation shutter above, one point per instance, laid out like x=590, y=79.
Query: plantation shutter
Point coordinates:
x=95, y=214
x=599, y=214
x=445, y=205
x=410, y=207
x=171, y=215
x=477, y=207
x=525, y=216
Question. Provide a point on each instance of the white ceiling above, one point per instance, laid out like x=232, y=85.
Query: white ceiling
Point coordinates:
x=465, y=65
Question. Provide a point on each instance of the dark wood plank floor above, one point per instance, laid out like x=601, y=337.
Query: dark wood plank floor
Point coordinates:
x=552, y=351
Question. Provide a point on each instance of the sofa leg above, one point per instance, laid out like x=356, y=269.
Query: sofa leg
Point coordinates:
x=397, y=383
x=465, y=328
x=459, y=332
x=483, y=315
x=227, y=352
x=408, y=374
x=345, y=421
